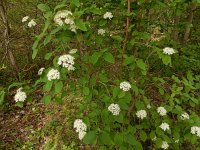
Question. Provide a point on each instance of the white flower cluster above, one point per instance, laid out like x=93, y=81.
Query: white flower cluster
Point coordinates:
x=31, y=23
x=24, y=19
x=108, y=15
x=154, y=139
x=80, y=127
x=53, y=74
x=164, y=126
x=195, y=130
x=67, y=61
x=73, y=51
x=185, y=116
x=149, y=106
x=168, y=51
x=20, y=96
x=176, y=141
x=65, y=17
x=101, y=32
x=40, y=71
x=114, y=109
x=162, y=111
x=125, y=86
x=164, y=145
x=141, y=114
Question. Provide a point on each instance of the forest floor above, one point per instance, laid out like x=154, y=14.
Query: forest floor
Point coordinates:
x=39, y=126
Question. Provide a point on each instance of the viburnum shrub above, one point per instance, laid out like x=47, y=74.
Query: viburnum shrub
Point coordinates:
x=124, y=106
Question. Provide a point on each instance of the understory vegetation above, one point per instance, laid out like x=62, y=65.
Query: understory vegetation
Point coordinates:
x=114, y=74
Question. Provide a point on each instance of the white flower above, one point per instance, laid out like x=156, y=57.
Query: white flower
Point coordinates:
x=125, y=86
x=155, y=138
x=20, y=96
x=185, y=116
x=80, y=127
x=32, y=23
x=164, y=126
x=141, y=114
x=149, y=106
x=53, y=74
x=73, y=28
x=177, y=141
x=66, y=61
x=164, y=145
x=168, y=51
x=61, y=16
x=65, y=17
x=24, y=19
x=101, y=32
x=108, y=15
x=69, y=21
x=81, y=135
x=162, y=111
x=40, y=71
x=195, y=130
x=114, y=109
x=73, y=51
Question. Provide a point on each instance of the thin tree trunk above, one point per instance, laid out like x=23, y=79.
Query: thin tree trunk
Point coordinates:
x=6, y=36
x=189, y=23
x=175, y=31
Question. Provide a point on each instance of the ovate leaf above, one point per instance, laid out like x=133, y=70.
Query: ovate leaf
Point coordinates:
x=109, y=57
x=90, y=137
x=43, y=7
x=80, y=25
x=58, y=87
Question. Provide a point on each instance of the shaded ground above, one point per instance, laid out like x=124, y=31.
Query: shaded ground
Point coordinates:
x=37, y=126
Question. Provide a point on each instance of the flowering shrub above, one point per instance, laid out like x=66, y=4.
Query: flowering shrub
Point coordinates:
x=118, y=111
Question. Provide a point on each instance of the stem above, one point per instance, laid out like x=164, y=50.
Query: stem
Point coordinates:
x=127, y=25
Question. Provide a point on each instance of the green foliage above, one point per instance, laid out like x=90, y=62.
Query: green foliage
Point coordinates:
x=104, y=61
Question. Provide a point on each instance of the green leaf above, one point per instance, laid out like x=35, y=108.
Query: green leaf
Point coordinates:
x=128, y=60
x=19, y=104
x=105, y=138
x=58, y=87
x=47, y=86
x=48, y=56
x=2, y=96
x=115, y=92
x=75, y=2
x=95, y=56
x=109, y=57
x=140, y=63
x=130, y=139
x=158, y=142
x=139, y=105
x=143, y=136
x=102, y=22
x=86, y=91
x=119, y=118
x=103, y=77
x=80, y=25
x=35, y=44
x=47, y=39
x=46, y=99
x=60, y=6
x=43, y=7
x=90, y=137
x=166, y=59
x=117, y=38
x=118, y=139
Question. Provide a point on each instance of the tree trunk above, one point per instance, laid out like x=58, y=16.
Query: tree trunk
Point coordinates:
x=175, y=31
x=192, y=8
x=6, y=36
